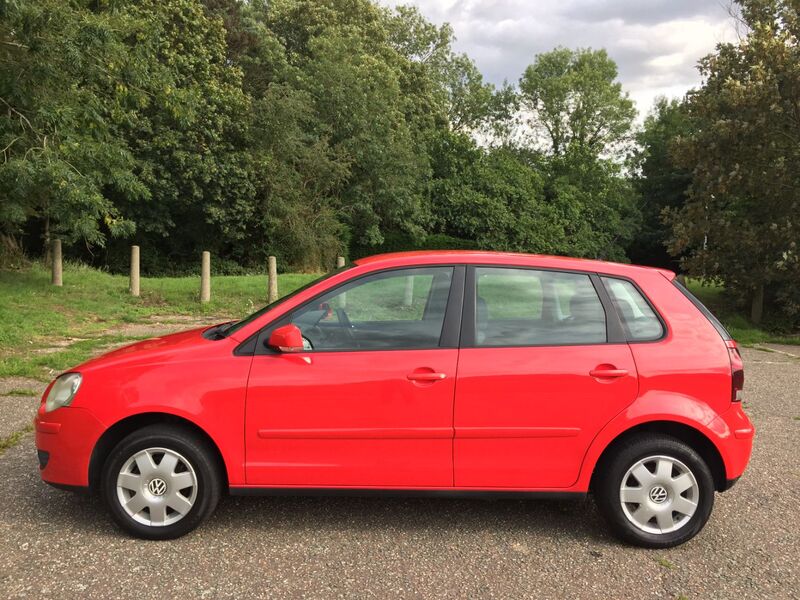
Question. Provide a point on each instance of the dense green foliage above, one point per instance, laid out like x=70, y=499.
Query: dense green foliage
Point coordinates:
x=297, y=128
x=312, y=128
x=740, y=221
x=660, y=182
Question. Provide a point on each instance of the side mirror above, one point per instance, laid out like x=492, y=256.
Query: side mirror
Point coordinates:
x=287, y=338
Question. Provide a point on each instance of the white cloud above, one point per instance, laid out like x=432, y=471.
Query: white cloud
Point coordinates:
x=656, y=43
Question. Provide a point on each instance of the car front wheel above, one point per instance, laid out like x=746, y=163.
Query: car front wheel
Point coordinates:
x=160, y=482
x=655, y=491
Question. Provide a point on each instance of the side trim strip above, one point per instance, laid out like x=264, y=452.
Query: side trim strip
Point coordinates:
x=516, y=432
x=396, y=433
x=400, y=433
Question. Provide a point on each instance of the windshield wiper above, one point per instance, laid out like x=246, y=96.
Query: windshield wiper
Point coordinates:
x=218, y=332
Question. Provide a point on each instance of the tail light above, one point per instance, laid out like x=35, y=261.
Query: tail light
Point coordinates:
x=737, y=371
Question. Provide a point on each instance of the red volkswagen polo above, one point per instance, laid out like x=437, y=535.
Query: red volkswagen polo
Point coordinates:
x=461, y=372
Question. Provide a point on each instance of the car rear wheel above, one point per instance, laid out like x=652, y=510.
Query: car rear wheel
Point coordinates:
x=160, y=482
x=655, y=491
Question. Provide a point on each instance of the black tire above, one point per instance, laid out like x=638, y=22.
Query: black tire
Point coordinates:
x=614, y=467
x=190, y=449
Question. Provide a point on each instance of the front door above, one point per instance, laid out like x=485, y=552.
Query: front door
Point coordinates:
x=537, y=379
x=370, y=403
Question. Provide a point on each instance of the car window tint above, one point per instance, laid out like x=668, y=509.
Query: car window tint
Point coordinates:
x=526, y=307
x=392, y=310
x=639, y=320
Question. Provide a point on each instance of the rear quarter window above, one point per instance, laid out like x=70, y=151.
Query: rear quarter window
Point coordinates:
x=639, y=320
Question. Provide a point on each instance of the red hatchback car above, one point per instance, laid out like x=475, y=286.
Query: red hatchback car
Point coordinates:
x=460, y=372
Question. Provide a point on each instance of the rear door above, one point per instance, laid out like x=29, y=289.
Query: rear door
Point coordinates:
x=538, y=377
x=370, y=403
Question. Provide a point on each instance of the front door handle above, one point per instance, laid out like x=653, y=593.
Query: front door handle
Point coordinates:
x=606, y=373
x=425, y=376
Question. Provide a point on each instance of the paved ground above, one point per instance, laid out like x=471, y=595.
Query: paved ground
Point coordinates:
x=57, y=544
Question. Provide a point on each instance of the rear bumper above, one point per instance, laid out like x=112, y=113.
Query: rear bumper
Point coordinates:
x=65, y=439
x=735, y=435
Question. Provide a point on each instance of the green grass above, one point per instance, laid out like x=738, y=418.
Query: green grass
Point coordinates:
x=93, y=306
x=665, y=563
x=14, y=439
x=739, y=326
x=21, y=392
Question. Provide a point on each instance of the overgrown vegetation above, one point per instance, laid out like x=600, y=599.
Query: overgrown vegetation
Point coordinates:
x=312, y=128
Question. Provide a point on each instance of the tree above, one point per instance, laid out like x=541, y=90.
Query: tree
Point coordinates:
x=575, y=103
x=659, y=182
x=60, y=104
x=576, y=115
x=739, y=225
x=597, y=203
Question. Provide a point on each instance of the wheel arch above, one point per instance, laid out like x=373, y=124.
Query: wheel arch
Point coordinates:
x=119, y=430
x=691, y=436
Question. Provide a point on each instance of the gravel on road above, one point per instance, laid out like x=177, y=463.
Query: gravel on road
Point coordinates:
x=55, y=543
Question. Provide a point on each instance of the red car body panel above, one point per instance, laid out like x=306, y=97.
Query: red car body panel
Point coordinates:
x=505, y=419
x=514, y=403
x=351, y=418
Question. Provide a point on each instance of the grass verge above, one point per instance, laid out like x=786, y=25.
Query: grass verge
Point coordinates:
x=46, y=329
x=742, y=330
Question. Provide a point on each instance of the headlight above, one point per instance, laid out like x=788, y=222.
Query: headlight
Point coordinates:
x=63, y=391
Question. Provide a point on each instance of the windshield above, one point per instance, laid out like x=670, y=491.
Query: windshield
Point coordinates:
x=230, y=328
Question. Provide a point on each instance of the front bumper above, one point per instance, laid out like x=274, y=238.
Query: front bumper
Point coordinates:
x=735, y=435
x=65, y=439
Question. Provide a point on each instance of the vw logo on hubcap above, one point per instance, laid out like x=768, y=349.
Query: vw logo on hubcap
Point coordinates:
x=158, y=486
x=658, y=494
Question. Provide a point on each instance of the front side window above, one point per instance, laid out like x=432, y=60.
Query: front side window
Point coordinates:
x=392, y=310
x=526, y=307
x=639, y=320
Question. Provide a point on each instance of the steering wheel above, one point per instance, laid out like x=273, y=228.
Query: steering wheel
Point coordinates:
x=347, y=325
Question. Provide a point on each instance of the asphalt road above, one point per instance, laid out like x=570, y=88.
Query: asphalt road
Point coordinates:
x=55, y=543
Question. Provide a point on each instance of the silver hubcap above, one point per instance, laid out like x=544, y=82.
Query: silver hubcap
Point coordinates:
x=659, y=494
x=157, y=487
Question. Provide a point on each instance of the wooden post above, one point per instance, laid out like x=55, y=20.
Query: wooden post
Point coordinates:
x=272, y=274
x=205, y=277
x=408, y=292
x=58, y=270
x=134, y=287
x=343, y=295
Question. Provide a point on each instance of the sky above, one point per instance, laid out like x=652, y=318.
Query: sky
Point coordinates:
x=655, y=43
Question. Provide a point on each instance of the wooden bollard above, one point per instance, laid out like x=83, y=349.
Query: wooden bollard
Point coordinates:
x=205, y=277
x=134, y=286
x=57, y=267
x=408, y=292
x=343, y=295
x=272, y=283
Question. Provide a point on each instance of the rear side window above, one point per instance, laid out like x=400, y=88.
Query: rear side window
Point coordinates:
x=639, y=320
x=526, y=307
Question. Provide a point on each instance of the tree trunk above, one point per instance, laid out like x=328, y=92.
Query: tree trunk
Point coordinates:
x=757, y=308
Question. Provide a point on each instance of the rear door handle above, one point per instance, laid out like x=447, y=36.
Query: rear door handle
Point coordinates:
x=608, y=373
x=425, y=376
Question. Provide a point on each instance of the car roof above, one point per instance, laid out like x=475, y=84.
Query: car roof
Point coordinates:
x=423, y=257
